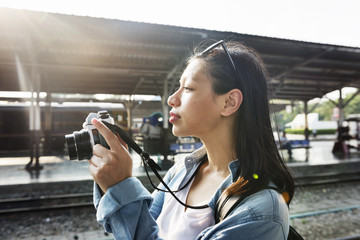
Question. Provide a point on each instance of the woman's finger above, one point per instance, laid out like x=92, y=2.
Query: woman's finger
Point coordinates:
x=109, y=136
x=122, y=141
x=92, y=167
x=99, y=150
x=96, y=161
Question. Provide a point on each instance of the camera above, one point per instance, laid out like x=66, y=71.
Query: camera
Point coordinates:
x=80, y=143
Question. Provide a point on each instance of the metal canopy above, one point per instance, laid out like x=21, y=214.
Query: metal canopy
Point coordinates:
x=73, y=54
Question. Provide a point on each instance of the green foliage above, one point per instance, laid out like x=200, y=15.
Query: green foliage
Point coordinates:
x=353, y=106
x=318, y=132
x=324, y=109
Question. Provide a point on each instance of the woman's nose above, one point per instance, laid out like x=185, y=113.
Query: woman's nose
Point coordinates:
x=173, y=100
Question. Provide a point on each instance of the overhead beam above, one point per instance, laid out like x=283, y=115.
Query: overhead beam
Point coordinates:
x=99, y=70
x=352, y=97
x=303, y=63
x=137, y=86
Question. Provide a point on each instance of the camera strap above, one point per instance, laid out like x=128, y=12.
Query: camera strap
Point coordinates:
x=151, y=163
x=173, y=192
x=145, y=156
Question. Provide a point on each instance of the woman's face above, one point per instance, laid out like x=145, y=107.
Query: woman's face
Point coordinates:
x=195, y=108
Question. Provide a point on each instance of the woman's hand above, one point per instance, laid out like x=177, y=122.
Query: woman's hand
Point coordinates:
x=109, y=167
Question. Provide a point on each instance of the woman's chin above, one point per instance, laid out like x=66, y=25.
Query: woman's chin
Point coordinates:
x=178, y=132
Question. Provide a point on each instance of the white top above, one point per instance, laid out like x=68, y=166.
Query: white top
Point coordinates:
x=176, y=223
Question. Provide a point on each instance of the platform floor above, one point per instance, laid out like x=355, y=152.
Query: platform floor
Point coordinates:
x=55, y=168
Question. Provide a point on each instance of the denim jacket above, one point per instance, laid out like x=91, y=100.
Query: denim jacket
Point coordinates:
x=129, y=211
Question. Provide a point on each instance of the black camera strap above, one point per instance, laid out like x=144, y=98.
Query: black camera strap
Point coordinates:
x=173, y=192
x=152, y=164
x=145, y=156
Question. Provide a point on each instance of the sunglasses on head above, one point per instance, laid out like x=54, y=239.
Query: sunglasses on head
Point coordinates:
x=215, y=45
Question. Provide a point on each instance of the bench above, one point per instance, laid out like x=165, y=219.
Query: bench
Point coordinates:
x=300, y=144
x=184, y=147
x=295, y=144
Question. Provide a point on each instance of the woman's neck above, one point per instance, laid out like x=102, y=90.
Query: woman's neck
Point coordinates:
x=220, y=149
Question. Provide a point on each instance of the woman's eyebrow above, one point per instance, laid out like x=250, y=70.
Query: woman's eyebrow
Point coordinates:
x=182, y=79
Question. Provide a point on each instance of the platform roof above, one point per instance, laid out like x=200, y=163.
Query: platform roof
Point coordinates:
x=75, y=54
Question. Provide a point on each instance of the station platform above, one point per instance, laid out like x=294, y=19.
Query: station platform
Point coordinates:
x=60, y=169
x=54, y=169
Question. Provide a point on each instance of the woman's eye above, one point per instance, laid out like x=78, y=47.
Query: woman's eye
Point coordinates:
x=188, y=89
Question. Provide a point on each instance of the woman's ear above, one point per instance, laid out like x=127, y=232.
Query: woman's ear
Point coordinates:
x=233, y=100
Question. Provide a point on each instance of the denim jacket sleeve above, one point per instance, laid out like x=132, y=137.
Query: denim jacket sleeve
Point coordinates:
x=128, y=210
x=124, y=210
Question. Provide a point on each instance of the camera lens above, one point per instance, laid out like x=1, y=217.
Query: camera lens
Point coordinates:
x=79, y=145
x=83, y=144
x=70, y=143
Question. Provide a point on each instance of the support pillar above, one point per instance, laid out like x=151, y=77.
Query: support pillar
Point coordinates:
x=306, y=131
x=35, y=124
x=34, y=111
x=128, y=105
x=341, y=109
x=165, y=109
x=48, y=125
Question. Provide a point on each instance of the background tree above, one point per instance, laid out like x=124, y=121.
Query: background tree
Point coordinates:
x=324, y=109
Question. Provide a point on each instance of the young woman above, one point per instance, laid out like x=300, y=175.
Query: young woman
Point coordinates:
x=222, y=100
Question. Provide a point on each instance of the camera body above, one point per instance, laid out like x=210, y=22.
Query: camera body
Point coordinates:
x=80, y=143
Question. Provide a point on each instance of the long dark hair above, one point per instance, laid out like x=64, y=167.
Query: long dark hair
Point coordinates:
x=260, y=161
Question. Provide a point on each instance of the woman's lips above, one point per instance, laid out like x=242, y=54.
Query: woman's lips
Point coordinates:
x=174, y=117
